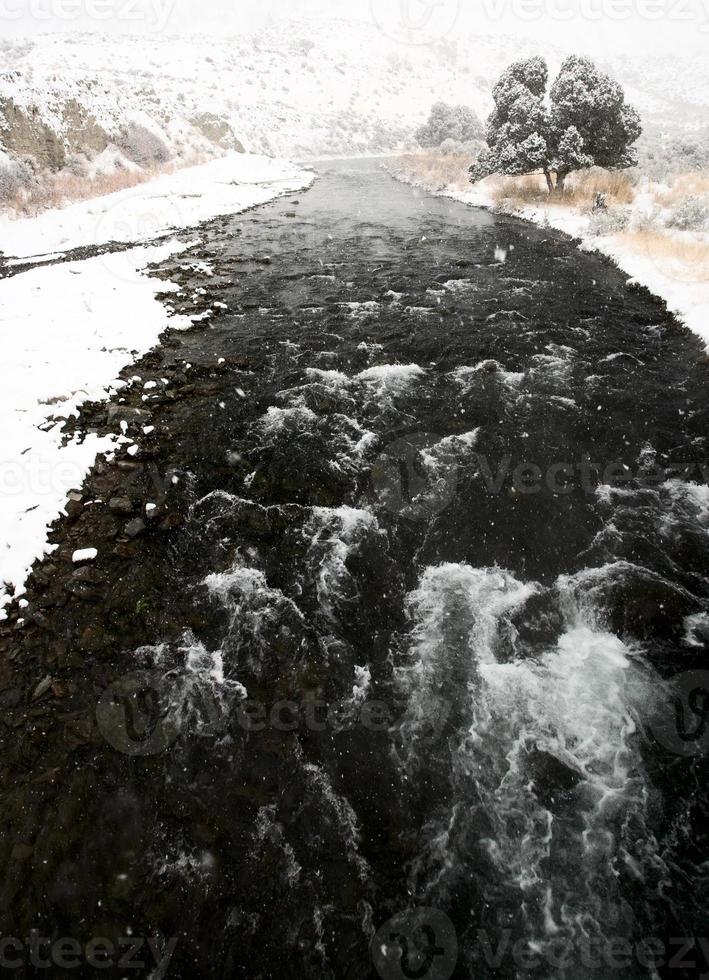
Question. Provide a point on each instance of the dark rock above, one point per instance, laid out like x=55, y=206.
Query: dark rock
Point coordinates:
x=86, y=591
x=21, y=852
x=87, y=573
x=74, y=509
x=172, y=521
x=120, y=505
x=134, y=528
x=10, y=698
x=91, y=639
x=126, y=549
x=42, y=688
x=40, y=620
x=125, y=413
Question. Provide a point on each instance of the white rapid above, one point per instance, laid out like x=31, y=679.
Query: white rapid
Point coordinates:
x=545, y=783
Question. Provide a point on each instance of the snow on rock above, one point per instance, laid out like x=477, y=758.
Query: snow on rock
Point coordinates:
x=85, y=555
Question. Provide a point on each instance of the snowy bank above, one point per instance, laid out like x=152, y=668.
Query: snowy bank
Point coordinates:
x=683, y=286
x=149, y=210
x=68, y=330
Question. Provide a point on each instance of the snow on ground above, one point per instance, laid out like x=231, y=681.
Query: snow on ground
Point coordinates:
x=67, y=330
x=310, y=86
x=178, y=200
x=686, y=293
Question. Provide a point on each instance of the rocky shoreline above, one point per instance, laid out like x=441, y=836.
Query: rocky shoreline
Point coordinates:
x=65, y=640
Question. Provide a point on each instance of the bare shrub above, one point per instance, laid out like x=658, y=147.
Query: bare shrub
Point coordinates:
x=143, y=146
x=15, y=176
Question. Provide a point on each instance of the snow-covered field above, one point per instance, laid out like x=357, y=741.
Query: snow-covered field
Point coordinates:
x=684, y=286
x=300, y=88
x=68, y=329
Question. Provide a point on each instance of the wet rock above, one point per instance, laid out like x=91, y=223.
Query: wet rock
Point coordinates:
x=124, y=413
x=134, y=528
x=171, y=522
x=42, y=688
x=128, y=466
x=90, y=640
x=87, y=573
x=60, y=689
x=120, y=505
x=21, y=852
x=126, y=549
x=74, y=509
x=39, y=578
x=39, y=619
x=10, y=698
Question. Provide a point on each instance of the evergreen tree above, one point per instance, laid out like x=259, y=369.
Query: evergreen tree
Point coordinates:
x=587, y=123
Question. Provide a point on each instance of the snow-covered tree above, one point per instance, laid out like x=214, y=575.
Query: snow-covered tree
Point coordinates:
x=586, y=123
x=591, y=124
x=517, y=127
x=455, y=122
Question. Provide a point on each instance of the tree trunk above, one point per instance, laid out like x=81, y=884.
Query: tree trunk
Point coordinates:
x=550, y=185
x=561, y=180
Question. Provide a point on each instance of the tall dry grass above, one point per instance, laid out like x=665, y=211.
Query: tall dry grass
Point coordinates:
x=439, y=171
x=59, y=190
x=682, y=187
x=62, y=189
x=434, y=171
x=580, y=190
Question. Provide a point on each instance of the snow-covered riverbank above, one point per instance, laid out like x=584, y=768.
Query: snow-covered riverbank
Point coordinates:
x=69, y=328
x=681, y=281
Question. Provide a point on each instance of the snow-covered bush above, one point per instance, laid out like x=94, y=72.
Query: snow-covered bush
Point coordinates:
x=661, y=156
x=14, y=176
x=455, y=122
x=647, y=219
x=609, y=222
x=142, y=146
x=691, y=215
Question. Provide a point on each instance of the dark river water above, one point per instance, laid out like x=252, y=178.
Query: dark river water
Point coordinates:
x=433, y=701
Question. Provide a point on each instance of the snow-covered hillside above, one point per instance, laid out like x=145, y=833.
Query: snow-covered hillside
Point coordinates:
x=305, y=89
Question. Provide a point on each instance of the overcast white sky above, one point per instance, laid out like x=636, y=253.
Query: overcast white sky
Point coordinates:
x=671, y=26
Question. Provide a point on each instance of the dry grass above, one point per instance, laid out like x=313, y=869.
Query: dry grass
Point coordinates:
x=518, y=190
x=676, y=256
x=682, y=187
x=59, y=190
x=435, y=171
x=580, y=190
